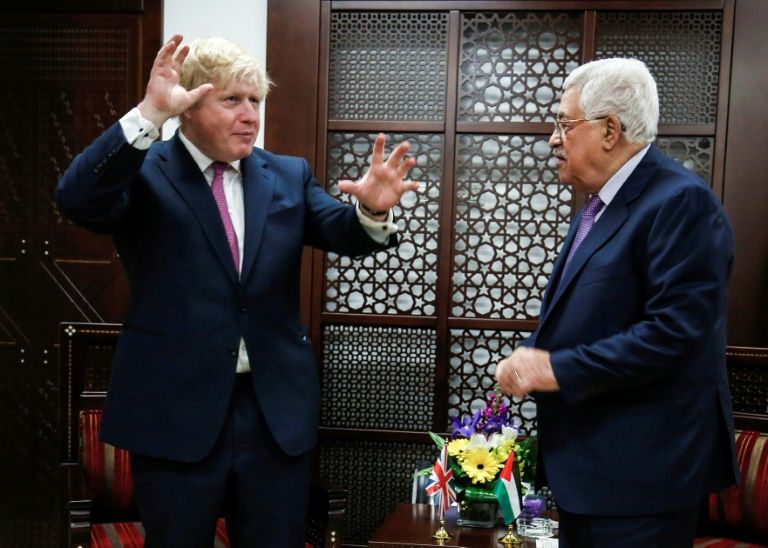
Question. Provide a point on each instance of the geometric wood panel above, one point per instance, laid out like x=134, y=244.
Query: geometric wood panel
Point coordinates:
x=473, y=357
x=85, y=274
x=16, y=140
x=29, y=438
x=694, y=153
x=682, y=51
x=514, y=63
x=65, y=86
x=396, y=281
x=101, y=53
x=387, y=66
x=357, y=358
x=69, y=72
x=748, y=377
x=71, y=119
x=25, y=530
x=511, y=218
x=15, y=295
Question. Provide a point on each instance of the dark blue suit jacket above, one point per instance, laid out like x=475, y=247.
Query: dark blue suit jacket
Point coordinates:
x=175, y=361
x=636, y=330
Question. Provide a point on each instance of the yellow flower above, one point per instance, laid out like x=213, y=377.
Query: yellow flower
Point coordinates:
x=456, y=447
x=504, y=449
x=480, y=465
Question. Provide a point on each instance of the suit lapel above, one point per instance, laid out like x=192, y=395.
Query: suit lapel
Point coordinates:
x=182, y=172
x=610, y=221
x=258, y=188
x=607, y=225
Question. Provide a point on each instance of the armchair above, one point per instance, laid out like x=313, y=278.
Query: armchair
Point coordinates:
x=97, y=507
x=738, y=515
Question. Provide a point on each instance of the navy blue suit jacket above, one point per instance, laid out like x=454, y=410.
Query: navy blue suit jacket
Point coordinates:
x=636, y=330
x=174, y=366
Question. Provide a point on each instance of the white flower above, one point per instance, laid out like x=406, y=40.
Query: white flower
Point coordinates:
x=479, y=441
x=508, y=433
x=504, y=439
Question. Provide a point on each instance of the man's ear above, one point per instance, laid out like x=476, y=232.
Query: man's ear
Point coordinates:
x=611, y=132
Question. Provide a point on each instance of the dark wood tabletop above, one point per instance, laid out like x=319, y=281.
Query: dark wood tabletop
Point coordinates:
x=412, y=525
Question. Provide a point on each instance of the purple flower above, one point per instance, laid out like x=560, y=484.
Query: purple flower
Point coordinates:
x=494, y=424
x=464, y=427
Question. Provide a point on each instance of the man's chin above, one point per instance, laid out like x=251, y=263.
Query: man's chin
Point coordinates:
x=244, y=150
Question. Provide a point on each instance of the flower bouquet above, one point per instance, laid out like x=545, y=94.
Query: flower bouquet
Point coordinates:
x=485, y=459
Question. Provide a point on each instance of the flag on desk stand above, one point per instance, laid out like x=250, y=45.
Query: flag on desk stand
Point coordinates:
x=439, y=485
x=507, y=493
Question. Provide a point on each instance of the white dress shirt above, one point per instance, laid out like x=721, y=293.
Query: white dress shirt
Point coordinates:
x=617, y=180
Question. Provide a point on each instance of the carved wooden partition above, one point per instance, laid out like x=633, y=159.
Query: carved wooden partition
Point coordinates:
x=410, y=338
x=68, y=71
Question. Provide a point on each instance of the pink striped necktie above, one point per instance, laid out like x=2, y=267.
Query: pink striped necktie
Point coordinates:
x=217, y=187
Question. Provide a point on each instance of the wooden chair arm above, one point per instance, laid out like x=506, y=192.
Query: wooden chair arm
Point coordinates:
x=327, y=507
x=76, y=508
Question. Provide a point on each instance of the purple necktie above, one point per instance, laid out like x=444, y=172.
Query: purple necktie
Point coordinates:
x=593, y=207
x=217, y=187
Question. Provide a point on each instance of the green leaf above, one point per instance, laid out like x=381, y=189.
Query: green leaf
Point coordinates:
x=439, y=441
x=458, y=471
x=425, y=472
x=525, y=444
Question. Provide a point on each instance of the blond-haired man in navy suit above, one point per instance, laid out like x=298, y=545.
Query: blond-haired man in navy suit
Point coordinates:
x=215, y=390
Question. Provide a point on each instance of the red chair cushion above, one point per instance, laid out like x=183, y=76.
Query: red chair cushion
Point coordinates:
x=709, y=542
x=117, y=535
x=108, y=472
x=107, y=468
x=745, y=507
x=131, y=535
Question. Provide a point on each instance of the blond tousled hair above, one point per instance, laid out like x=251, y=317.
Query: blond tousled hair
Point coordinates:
x=216, y=59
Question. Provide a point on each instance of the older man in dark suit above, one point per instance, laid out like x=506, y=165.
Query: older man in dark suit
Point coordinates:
x=628, y=361
x=215, y=390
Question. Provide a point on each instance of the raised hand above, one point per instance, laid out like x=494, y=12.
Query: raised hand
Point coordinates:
x=165, y=97
x=382, y=186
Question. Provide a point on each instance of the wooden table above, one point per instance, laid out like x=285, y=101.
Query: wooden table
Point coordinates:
x=412, y=525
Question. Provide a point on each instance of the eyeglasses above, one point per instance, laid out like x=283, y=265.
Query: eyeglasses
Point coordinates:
x=563, y=126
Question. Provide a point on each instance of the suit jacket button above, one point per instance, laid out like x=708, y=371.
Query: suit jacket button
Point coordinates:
x=233, y=352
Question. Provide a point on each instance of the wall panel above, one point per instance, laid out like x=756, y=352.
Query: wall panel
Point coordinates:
x=69, y=72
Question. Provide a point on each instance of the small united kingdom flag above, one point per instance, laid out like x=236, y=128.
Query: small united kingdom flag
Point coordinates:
x=440, y=486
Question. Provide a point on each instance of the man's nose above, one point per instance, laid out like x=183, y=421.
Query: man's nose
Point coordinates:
x=554, y=138
x=249, y=111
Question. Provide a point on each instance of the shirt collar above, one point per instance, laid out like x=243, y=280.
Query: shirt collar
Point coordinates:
x=617, y=180
x=203, y=162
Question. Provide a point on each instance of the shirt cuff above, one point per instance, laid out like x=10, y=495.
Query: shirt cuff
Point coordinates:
x=139, y=132
x=379, y=231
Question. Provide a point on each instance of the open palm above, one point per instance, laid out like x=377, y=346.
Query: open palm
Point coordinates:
x=165, y=97
x=383, y=184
